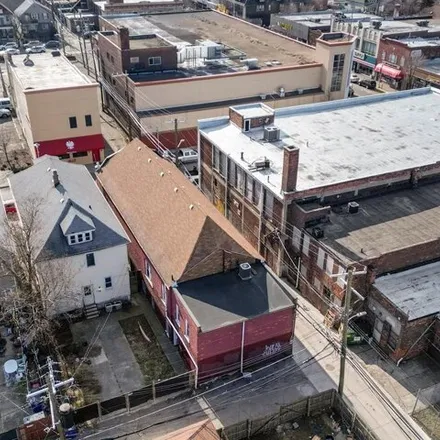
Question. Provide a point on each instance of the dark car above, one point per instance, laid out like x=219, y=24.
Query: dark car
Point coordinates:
x=368, y=83
x=52, y=44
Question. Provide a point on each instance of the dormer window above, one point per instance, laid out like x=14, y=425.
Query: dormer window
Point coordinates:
x=80, y=237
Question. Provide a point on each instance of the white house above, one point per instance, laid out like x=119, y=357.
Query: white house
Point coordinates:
x=77, y=234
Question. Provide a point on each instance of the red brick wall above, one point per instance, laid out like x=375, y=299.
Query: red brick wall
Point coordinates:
x=220, y=349
x=143, y=7
x=168, y=55
x=168, y=138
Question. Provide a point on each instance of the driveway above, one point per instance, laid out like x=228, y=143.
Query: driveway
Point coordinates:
x=114, y=364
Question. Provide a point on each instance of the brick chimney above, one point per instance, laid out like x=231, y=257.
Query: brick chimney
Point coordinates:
x=55, y=178
x=290, y=169
x=124, y=37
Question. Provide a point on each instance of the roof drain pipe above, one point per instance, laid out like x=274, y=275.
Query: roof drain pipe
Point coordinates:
x=415, y=343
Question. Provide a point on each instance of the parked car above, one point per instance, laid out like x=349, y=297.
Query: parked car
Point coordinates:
x=354, y=78
x=12, y=51
x=36, y=49
x=52, y=44
x=5, y=113
x=5, y=103
x=32, y=44
x=11, y=45
x=368, y=83
x=186, y=155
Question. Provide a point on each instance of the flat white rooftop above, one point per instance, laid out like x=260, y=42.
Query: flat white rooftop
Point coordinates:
x=47, y=72
x=414, y=291
x=340, y=141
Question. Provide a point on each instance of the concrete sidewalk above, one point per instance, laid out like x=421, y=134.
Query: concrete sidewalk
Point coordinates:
x=364, y=401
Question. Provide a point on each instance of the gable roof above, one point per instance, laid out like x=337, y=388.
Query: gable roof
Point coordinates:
x=75, y=221
x=23, y=6
x=175, y=224
x=76, y=201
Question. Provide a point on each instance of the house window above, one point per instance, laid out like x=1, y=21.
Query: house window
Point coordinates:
x=317, y=284
x=154, y=61
x=186, y=329
x=90, y=258
x=240, y=180
x=328, y=293
x=222, y=163
x=257, y=193
x=148, y=270
x=232, y=174
x=87, y=290
x=108, y=283
x=87, y=236
x=260, y=8
x=80, y=154
x=72, y=239
x=392, y=58
x=249, y=187
x=338, y=71
x=303, y=271
x=369, y=48
x=72, y=122
x=80, y=238
x=329, y=265
x=64, y=156
x=177, y=315
x=164, y=293
x=215, y=158
x=247, y=124
x=268, y=205
x=88, y=119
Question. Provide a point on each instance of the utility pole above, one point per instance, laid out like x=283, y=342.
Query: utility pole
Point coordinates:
x=344, y=330
x=175, y=121
x=51, y=390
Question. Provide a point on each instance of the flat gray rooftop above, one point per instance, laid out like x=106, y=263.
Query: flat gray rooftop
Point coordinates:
x=342, y=140
x=225, y=299
x=326, y=15
x=47, y=72
x=385, y=223
x=414, y=291
x=185, y=28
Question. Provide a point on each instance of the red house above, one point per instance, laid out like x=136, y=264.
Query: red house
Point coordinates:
x=217, y=300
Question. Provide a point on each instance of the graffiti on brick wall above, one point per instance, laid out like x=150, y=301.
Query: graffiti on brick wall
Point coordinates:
x=272, y=349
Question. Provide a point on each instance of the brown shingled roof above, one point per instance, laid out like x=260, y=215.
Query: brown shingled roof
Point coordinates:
x=175, y=224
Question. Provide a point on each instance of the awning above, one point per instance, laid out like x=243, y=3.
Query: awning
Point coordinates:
x=389, y=71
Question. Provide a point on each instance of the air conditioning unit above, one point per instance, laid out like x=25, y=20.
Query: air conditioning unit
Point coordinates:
x=262, y=164
x=318, y=232
x=245, y=271
x=271, y=134
x=353, y=207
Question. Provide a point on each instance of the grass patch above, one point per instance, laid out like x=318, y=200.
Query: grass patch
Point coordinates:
x=429, y=420
x=149, y=355
x=89, y=384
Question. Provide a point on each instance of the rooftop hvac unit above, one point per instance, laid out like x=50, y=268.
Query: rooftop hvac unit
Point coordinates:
x=271, y=134
x=262, y=164
x=56, y=53
x=422, y=23
x=245, y=271
x=353, y=207
x=318, y=232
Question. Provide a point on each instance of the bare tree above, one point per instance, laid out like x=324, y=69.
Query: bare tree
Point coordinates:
x=414, y=62
x=42, y=288
x=5, y=140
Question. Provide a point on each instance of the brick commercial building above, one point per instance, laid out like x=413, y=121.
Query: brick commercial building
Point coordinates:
x=312, y=201
x=406, y=57
x=217, y=301
x=57, y=106
x=186, y=66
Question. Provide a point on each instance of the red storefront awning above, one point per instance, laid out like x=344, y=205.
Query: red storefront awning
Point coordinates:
x=57, y=147
x=389, y=71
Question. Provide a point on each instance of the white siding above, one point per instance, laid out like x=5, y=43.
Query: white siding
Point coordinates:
x=112, y=262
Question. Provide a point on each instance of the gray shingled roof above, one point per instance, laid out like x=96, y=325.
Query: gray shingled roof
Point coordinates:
x=76, y=196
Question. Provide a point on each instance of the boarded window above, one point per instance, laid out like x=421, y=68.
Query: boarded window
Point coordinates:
x=321, y=256
x=306, y=245
x=329, y=265
x=296, y=238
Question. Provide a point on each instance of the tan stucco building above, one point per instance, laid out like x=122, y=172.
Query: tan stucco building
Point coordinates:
x=188, y=66
x=57, y=106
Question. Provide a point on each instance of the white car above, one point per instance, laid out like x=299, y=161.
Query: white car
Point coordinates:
x=12, y=51
x=36, y=49
x=354, y=78
x=5, y=113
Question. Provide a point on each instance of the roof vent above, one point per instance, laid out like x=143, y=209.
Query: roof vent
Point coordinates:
x=422, y=23
x=271, y=134
x=55, y=178
x=261, y=164
x=353, y=207
x=245, y=271
x=27, y=61
x=318, y=232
